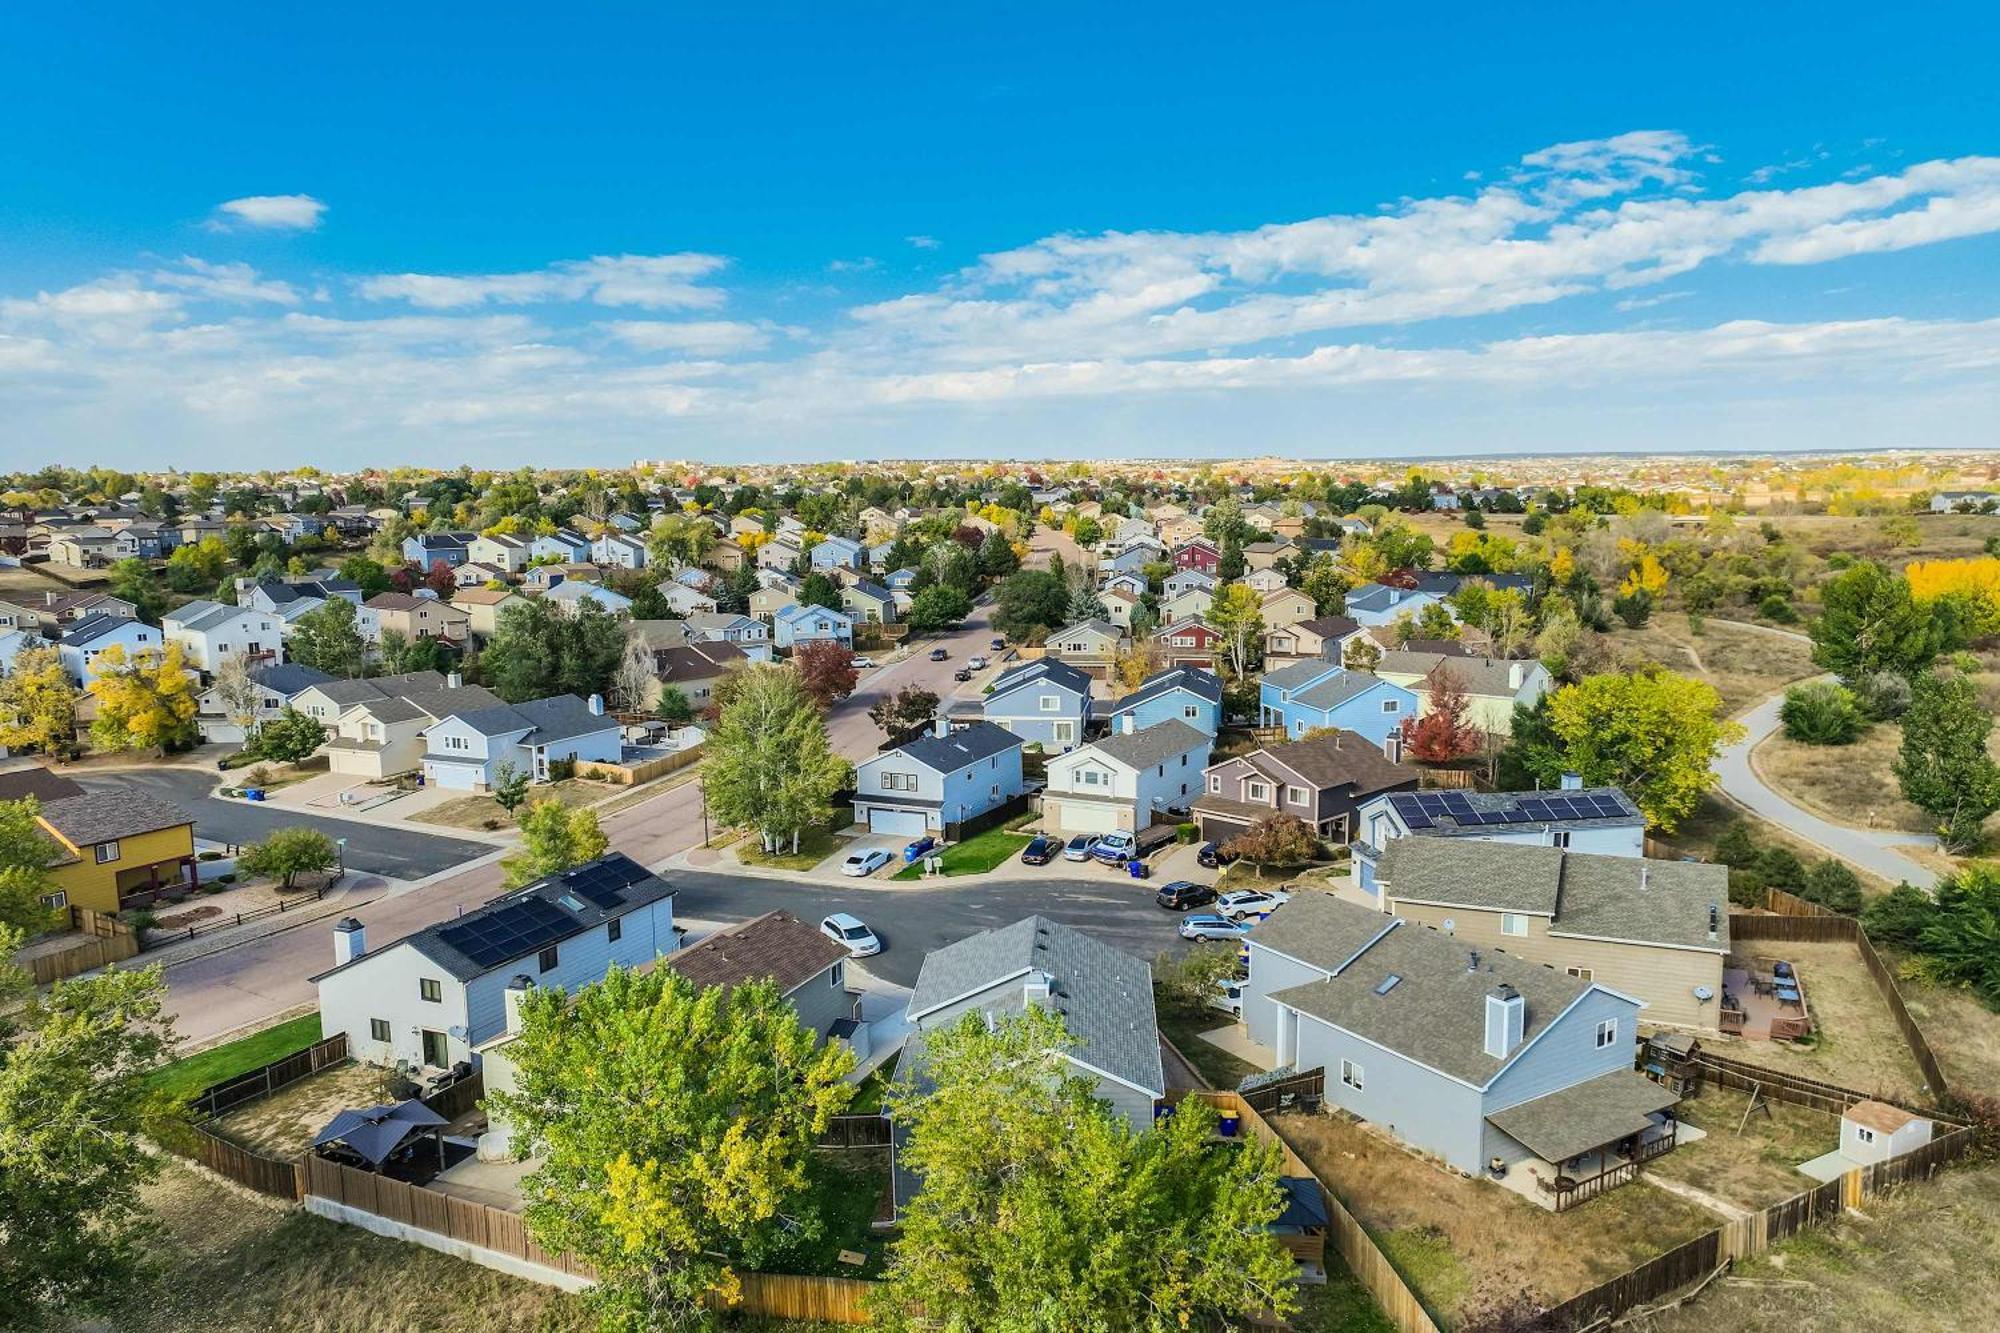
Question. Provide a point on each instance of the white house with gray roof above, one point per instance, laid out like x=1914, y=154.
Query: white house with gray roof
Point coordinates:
x=81, y=645
x=1494, y=1064
x=211, y=633
x=1126, y=781
x=1599, y=820
x=937, y=780
x=463, y=750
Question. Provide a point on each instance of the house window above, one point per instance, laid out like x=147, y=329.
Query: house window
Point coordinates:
x=378, y=1029
x=1580, y=973
x=1064, y=731
x=1256, y=791
x=1050, y=703
x=1513, y=923
x=56, y=901
x=616, y=930
x=1295, y=795
x=1864, y=1134
x=431, y=989
x=107, y=851
x=1607, y=1032
x=1391, y=705
x=1559, y=837
x=836, y=974
x=1190, y=712
x=547, y=959
x=1350, y=1074
x=1215, y=786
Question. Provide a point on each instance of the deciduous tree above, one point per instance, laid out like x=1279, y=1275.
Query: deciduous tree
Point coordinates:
x=1446, y=731
x=826, y=668
x=510, y=785
x=938, y=607
x=910, y=707
x=770, y=766
x=289, y=853
x=1652, y=733
x=538, y=650
x=38, y=704
x=289, y=738
x=1238, y=616
x=553, y=838
x=145, y=702
x=1276, y=840
x=327, y=639
x=1868, y=622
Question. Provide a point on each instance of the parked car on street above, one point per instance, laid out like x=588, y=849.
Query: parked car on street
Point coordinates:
x=919, y=847
x=1040, y=851
x=1115, y=848
x=962, y=675
x=939, y=654
x=1209, y=926
x=861, y=663
x=1228, y=996
x=1078, y=848
x=999, y=645
x=865, y=863
x=1182, y=894
x=1250, y=902
x=976, y=662
x=848, y=930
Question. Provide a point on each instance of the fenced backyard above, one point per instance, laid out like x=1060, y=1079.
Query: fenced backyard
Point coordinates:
x=109, y=941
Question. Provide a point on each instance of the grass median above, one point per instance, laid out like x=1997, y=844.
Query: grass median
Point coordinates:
x=975, y=856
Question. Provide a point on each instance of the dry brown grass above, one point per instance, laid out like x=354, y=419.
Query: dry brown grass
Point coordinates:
x=283, y=1124
x=1939, y=536
x=1847, y=784
x=475, y=812
x=1963, y=1034
x=1925, y=1259
x=1465, y=1243
x=1744, y=665
x=1855, y=1043
x=1758, y=1167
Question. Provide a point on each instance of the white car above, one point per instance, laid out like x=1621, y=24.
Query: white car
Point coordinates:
x=865, y=863
x=1250, y=902
x=848, y=930
x=861, y=663
x=1228, y=996
x=976, y=662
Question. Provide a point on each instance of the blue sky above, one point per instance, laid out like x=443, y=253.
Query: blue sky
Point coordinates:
x=516, y=235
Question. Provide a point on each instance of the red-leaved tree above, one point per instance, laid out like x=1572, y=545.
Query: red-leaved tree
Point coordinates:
x=1445, y=733
x=440, y=579
x=826, y=669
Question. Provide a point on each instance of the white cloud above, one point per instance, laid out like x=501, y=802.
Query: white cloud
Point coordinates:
x=705, y=337
x=226, y=282
x=863, y=265
x=656, y=282
x=284, y=212
x=924, y=242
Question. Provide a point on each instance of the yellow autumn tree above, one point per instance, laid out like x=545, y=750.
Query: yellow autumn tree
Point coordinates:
x=1648, y=576
x=1977, y=579
x=145, y=701
x=1562, y=566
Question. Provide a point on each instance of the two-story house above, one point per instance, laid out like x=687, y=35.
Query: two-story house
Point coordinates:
x=383, y=737
x=1184, y=580
x=935, y=782
x=1127, y=781
x=464, y=749
x=272, y=686
x=619, y=550
x=1311, y=695
x=795, y=624
x=1201, y=554
x=432, y=998
x=113, y=846
x=326, y=700
x=750, y=635
x=483, y=608
x=84, y=642
x=413, y=617
x=1045, y=702
x=1189, y=693
x=1492, y=1063
x=1323, y=782
x=1322, y=637
x=565, y=546
x=1492, y=686
x=1379, y=604
x=869, y=602
x=695, y=668
x=837, y=553
x=1189, y=642
x=1091, y=646
x=1188, y=604
x=502, y=550
x=1599, y=820
x=1285, y=606
x=684, y=600
x=1655, y=930
x=425, y=549
x=211, y=633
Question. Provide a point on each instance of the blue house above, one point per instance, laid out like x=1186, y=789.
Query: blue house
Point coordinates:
x=431, y=548
x=795, y=624
x=1045, y=702
x=1188, y=693
x=937, y=781
x=1376, y=604
x=1136, y=557
x=1311, y=694
x=837, y=553
x=571, y=548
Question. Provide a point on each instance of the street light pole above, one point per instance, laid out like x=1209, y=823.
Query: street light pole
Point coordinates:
x=701, y=785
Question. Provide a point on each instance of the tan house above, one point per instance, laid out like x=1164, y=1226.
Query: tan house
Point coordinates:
x=1656, y=931
x=1090, y=646
x=767, y=602
x=484, y=606
x=1192, y=604
x=1264, y=555
x=726, y=556
x=412, y=617
x=1322, y=636
x=1176, y=530
x=381, y=738
x=1286, y=606
x=1492, y=685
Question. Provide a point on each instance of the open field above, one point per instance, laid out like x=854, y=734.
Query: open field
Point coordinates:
x=1939, y=536
x=1855, y=1042
x=1848, y=784
x=1466, y=1244
x=185, y=1077
x=1743, y=665
x=1923, y=1259
x=1758, y=1167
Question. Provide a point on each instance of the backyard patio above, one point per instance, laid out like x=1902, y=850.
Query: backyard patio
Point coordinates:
x=1764, y=999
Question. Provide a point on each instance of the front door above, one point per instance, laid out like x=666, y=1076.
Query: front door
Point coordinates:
x=434, y=1049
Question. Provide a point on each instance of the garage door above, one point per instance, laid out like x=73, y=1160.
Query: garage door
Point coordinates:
x=897, y=823
x=1084, y=816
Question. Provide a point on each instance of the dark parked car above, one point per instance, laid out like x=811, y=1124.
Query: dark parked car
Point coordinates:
x=939, y=654
x=1208, y=855
x=999, y=645
x=1041, y=851
x=962, y=675
x=919, y=847
x=1183, y=894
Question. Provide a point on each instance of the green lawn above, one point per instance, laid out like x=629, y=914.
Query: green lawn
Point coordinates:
x=975, y=856
x=848, y=1185
x=868, y=1093
x=184, y=1078
x=1184, y=1027
x=815, y=845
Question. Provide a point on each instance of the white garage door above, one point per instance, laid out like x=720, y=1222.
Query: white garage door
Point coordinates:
x=897, y=823
x=1086, y=817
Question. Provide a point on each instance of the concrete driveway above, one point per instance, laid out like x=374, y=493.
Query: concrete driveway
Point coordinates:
x=371, y=849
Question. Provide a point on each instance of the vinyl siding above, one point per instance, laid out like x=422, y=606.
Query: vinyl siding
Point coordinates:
x=1417, y=1104
x=1567, y=1053
x=1269, y=973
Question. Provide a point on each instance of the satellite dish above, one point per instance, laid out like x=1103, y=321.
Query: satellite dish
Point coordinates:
x=1704, y=994
x=1450, y=923
x=456, y=1032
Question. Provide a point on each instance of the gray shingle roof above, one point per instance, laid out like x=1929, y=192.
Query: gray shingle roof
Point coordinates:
x=1337, y=690
x=556, y=718
x=1150, y=745
x=1296, y=674
x=102, y=814
x=967, y=745
x=1574, y=1120
x=94, y=627
x=288, y=678
x=1476, y=675
x=1053, y=670
x=1105, y=996
x=1205, y=684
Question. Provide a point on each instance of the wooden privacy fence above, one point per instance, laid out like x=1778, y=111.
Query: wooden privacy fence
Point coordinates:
x=111, y=941
x=230, y=1093
x=645, y=770
x=1800, y=921
x=279, y=1177
x=1280, y=1093
x=856, y=1131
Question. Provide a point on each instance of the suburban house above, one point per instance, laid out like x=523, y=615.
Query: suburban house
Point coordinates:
x=1189, y=642
x=1263, y=581
x=837, y=553
x=210, y=633
x=1188, y=604
x=870, y=603
x=502, y=550
x=565, y=546
x=1599, y=820
x=749, y=634
x=1654, y=930
x=111, y=846
x=437, y=548
x=383, y=737
x=1323, y=637
x=619, y=550
x=1324, y=782
x=570, y=595
x=81, y=644
x=1045, y=702
x=483, y=608
x=695, y=668
x=432, y=998
x=1119, y=604
x=83, y=547
x=413, y=617
x=274, y=685
x=684, y=600
x=1129, y=780
x=1103, y=995
x=1263, y=556
x=1188, y=693
x=473, y=574
x=326, y=700
x=1379, y=604
x=1201, y=554
x=937, y=781
x=1308, y=695
x=463, y=750
x=795, y=624
x=277, y=596
x=1133, y=557
x=1493, y=1064
x=1286, y=606
x=1964, y=502
x=767, y=601
x=779, y=553
x=12, y=642
x=1180, y=581
x=542, y=578
x=1492, y=686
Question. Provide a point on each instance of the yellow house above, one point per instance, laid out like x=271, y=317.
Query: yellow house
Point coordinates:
x=113, y=845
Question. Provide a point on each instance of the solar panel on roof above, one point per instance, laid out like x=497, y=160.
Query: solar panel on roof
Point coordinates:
x=1411, y=811
x=1432, y=805
x=1609, y=806
x=1560, y=808
x=1457, y=803
x=508, y=932
x=1535, y=809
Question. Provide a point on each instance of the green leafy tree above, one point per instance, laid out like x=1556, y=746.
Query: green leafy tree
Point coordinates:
x=1029, y=603
x=770, y=766
x=25, y=854
x=939, y=607
x=1868, y=622
x=538, y=650
x=820, y=590
x=910, y=707
x=1943, y=766
x=1652, y=733
x=1958, y=941
x=1821, y=713
x=1279, y=840
x=1833, y=886
x=327, y=639
x=996, y=556
x=1738, y=845
x=672, y=705
x=1042, y=1209
x=289, y=853
x=289, y=738
x=197, y=565
x=510, y=785
x=366, y=574
x=1238, y=616
x=553, y=838
x=674, y=1128
x=132, y=579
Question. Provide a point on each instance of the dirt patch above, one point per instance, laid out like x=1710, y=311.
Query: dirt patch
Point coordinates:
x=1757, y=1167
x=1466, y=1243
x=283, y=1124
x=182, y=920
x=1744, y=665
x=1855, y=1043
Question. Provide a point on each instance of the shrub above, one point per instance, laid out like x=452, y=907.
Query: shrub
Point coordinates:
x=1898, y=916
x=259, y=776
x=289, y=853
x=1883, y=695
x=142, y=920
x=1965, y=663
x=229, y=878
x=1777, y=608
x=1833, y=886
x=1781, y=868
x=1737, y=847
x=1746, y=887
x=208, y=856
x=1184, y=833
x=1635, y=608
x=1821, y=713
x=1839, y=560
x=561, y=770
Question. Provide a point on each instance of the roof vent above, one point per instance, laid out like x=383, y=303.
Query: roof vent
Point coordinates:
x=1472, y=961
x=1714, y=920
x=1388, y=984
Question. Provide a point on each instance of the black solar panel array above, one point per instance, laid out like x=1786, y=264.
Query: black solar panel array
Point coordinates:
x=508, y=932
x=1423, y=809
x=601, y=884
